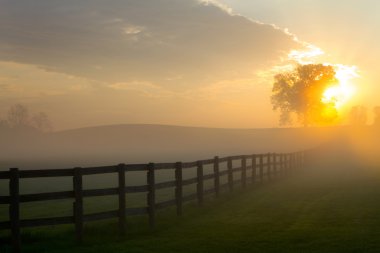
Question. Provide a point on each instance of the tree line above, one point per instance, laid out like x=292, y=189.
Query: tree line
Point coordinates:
x=19, y=118
x=297, y=94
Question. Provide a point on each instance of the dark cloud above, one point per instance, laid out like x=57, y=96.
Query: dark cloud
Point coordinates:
x=181, y=42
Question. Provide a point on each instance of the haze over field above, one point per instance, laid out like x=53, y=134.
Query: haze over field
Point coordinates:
x=108, y=145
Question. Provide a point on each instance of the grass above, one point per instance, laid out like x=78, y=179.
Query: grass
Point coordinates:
x=333, y=212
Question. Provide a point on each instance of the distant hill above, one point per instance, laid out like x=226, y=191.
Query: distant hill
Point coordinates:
x=144, y=143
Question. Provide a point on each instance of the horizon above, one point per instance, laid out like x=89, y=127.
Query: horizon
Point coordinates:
x=202, y=127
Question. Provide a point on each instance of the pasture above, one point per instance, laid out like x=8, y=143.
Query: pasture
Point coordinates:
x=316, y=211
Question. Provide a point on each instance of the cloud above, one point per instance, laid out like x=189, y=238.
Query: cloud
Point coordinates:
x=145, y=88
x=222, y=6
x=132, y=29
x=187, y=62
x=130, y=40
x=19, y=81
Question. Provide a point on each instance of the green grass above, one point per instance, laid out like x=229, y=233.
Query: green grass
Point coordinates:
x=335, y=212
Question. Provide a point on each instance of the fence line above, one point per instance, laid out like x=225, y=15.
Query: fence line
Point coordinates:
x=275, y=165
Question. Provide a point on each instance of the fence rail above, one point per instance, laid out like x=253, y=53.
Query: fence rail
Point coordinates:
x=263, y=167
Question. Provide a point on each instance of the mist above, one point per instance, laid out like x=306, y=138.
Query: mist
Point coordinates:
x=109, y=145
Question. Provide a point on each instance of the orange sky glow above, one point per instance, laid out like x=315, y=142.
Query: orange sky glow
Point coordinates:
x=205, y=66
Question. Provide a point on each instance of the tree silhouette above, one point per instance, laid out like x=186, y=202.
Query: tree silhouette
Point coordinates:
x=41, y=122
x=300, y=91
x=18, y=118
x=3, y=124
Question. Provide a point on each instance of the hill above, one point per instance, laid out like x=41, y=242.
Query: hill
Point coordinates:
x=145, y=143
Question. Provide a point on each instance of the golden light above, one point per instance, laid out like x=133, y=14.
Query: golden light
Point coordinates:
x=336, y=96
x=340, y=94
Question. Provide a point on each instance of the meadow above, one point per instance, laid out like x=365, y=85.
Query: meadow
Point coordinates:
x=331, y=206
x=328, y=211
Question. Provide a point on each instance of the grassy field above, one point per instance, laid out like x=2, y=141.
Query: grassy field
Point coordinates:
x=315, y=212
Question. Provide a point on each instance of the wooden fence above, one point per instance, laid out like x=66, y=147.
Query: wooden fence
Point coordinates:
x=264, y=167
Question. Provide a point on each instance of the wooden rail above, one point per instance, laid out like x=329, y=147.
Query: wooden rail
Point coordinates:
x=256, y=168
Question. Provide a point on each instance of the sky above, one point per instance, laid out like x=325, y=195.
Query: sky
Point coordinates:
x=346, y=30
x=176, y=62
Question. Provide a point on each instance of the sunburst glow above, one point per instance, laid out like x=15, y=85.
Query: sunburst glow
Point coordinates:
x=337, y=95
x=340, y=94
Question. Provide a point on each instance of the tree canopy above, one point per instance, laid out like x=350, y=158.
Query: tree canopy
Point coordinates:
x=300, y=91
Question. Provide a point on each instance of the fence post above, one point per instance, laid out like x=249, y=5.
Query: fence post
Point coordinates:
x=14, y=208
x=281, y=165
x=261, y=168
x=216, y=176
x=230, y=175
x=122, y=204
x=269, y=167
x=306, y=158
x=298, y=159
x=286, y=164
x=200, y=182
x=302, y=158
x=274, y=165
x=244, y=172
x=254, y=166
x=151, y=197
x=178, y=189
x=78, y=204
x=294, y=162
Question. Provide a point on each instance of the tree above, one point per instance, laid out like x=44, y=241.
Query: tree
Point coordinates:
x=18, y=116
x=41, y=122
x=3, y=124
x=300, y=91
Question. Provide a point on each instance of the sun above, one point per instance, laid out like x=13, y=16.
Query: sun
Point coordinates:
x=340, y=94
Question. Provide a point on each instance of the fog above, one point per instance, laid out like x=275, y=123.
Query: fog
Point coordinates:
x=350, y=148
x=108, y=145
x=338, y=158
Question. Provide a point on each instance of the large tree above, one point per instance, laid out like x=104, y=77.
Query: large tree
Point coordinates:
x=300, y=91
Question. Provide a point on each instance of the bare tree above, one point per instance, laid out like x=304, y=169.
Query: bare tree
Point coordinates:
x=41, y=122
x=18, y=116
x=3, y=124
